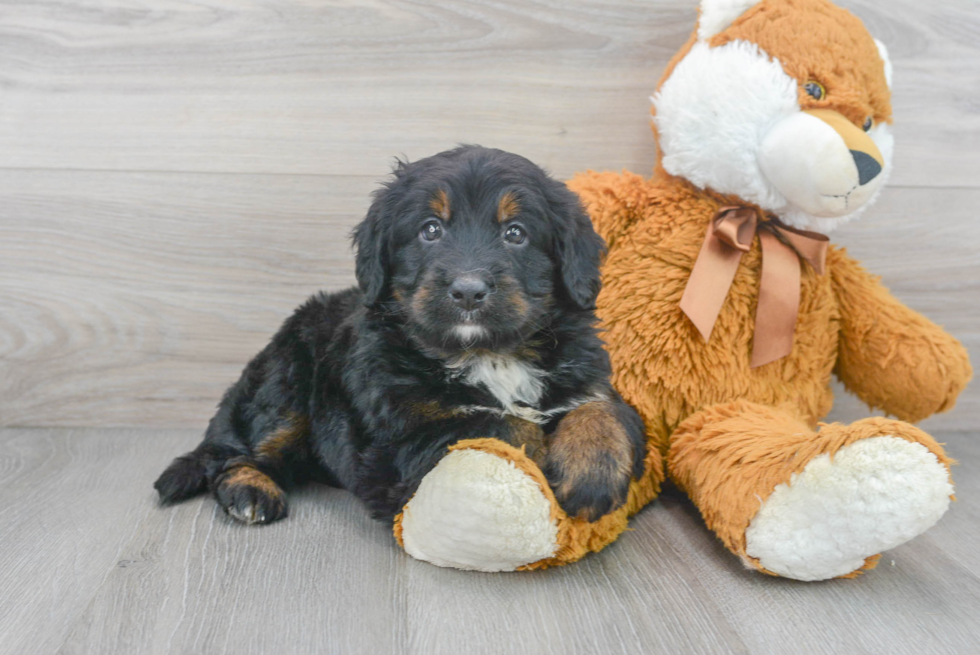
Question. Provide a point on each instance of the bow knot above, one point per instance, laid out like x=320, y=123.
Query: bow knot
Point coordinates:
x=730, y=234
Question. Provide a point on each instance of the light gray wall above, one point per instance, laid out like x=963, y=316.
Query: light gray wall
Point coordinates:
x=175, y=179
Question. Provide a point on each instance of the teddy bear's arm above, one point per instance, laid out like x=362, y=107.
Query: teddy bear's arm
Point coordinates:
x=892, y=357
x=614, y=201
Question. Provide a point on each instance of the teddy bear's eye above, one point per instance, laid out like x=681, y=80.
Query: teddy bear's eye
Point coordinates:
x=815, y=90
x=868, y=122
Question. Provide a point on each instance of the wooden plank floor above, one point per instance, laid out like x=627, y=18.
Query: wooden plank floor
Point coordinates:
x=90, y=564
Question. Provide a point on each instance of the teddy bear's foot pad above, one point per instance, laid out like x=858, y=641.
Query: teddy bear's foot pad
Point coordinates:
x=872, y=495
x=478, y=511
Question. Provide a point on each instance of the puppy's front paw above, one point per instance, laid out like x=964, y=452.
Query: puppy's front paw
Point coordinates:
x=590, y=461
x=250, y=495
x=587, y=487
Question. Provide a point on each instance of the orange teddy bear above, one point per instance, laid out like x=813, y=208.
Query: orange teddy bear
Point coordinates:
x=725, y=318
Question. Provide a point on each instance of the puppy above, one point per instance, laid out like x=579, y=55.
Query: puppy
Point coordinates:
x=473, y=317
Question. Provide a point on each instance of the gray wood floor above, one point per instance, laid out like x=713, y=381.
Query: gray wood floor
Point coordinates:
x=90, y=564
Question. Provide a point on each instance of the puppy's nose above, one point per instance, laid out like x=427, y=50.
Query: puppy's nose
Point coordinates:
x=469, y=292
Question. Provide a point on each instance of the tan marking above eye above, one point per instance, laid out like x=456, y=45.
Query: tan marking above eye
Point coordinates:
x=440, y=205
x=508, y=207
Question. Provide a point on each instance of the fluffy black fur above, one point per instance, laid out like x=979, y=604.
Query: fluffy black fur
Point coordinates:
x=365, y=388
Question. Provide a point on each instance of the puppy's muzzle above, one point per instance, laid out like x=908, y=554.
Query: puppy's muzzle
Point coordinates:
x=469, y=292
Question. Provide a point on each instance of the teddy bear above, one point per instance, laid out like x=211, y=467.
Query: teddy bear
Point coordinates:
x=726, y=310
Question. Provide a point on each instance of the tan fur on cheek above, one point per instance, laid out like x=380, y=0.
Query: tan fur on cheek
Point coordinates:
x=518, y=302
x=514, y=297
x=421, y=297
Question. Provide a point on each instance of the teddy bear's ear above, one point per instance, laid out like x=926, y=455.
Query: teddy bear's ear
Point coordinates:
x=716, y=15
x=883, y=51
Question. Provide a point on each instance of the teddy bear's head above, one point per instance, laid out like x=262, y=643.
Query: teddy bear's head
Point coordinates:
x=784, y=103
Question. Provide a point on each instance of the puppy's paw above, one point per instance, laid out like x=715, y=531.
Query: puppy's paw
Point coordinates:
x=590, y=461
x=185, y=477
x=250, y=495
x=587, y=488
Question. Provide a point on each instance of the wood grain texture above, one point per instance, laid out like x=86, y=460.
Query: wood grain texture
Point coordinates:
x=176, y=177
x=332, y=88
x=70, y=502
x=623, y=602
x=89, y=564
x=137, y=298
x=326, y=580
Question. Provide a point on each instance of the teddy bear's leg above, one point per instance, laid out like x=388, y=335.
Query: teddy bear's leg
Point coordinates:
x=486, y=506
x=482, y=508
x=803, y=504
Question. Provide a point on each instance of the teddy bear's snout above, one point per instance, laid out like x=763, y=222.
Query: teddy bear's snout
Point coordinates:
x=821, y=163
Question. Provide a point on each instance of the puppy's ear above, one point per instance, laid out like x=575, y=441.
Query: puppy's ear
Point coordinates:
x=371, y=261
x=578, y=248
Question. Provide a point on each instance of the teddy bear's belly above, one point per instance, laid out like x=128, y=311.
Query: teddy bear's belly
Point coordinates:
x=663, y=366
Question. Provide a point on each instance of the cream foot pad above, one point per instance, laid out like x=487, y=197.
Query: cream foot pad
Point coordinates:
x=873, y=495
x=478, y=511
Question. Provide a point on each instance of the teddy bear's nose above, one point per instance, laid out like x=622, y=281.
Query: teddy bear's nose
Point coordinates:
x=868, y=168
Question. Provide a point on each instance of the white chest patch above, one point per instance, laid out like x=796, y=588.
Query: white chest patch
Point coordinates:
x=509, y=379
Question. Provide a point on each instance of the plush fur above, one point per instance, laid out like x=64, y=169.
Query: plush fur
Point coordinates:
x=729, y=118
x=473, y=317
x=911, y=492
x=474, y=492
x=439, y=526
x=732, y=434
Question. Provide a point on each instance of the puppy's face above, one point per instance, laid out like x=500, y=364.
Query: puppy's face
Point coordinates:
x=473, y=267
x=476, y=248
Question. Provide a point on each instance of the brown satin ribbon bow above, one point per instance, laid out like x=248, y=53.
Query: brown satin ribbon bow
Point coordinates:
x=729, y=235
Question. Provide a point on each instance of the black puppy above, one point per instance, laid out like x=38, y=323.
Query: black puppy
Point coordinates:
x=473, y=317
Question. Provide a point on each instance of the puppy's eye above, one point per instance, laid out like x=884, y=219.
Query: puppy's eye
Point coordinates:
x=431, y=231
x=868, y=122
x=815, y=90
x=515, y=234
